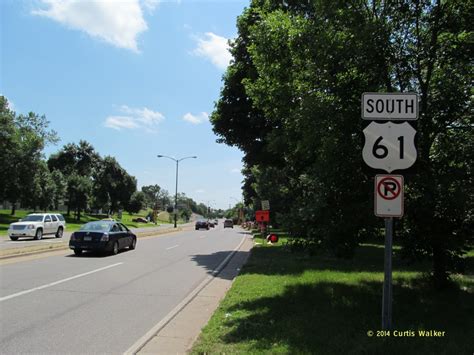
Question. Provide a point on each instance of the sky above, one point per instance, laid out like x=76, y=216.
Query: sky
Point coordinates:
x=135, y=78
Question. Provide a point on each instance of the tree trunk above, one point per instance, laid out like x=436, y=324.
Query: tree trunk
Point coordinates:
x=13, y=209
x=78, y=213
x=440, y=274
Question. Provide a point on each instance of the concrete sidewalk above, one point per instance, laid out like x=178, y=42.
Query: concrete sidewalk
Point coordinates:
x=177, y=332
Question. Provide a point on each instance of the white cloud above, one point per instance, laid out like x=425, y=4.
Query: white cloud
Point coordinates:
x=116, y=22
x=215, y=48
x=196, y=119
x=235, y=170
x=119, y=122
x=151, y=5
x=200, y=191
x=134, y=118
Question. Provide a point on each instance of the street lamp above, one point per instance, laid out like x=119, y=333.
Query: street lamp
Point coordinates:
x=176, y=191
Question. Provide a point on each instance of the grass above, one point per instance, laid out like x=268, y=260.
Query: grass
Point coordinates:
x=290, y=303
x=72, y=224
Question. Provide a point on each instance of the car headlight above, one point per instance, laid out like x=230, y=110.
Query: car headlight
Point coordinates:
x=104, y=238
x=73, y=237
x=30, y=226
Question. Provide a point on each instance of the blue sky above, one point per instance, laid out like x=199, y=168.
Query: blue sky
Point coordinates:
x=135, y=78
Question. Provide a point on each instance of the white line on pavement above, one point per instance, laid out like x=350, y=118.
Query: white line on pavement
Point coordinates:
x=202, y=236
x=56, y=282
x=175, y=246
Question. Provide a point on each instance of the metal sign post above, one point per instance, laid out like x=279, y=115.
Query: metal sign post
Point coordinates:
x=387, y=280
x=389, y=147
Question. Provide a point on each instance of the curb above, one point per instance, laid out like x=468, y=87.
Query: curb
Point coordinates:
x=144, y=340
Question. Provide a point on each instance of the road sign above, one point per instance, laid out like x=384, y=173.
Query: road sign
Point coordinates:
x=265, y=205
x=389, y=106
x=389, y=195
x=262, y=216
x=389, y=146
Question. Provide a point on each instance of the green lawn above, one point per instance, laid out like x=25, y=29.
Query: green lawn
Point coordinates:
x=289, y=303
x=72, y=224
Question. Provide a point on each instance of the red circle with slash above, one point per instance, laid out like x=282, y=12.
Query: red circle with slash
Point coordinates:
x=391, y=186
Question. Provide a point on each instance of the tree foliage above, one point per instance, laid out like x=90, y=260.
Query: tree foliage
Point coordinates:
x=291, y=103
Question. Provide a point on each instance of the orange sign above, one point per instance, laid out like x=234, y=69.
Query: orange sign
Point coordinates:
x=262, y=216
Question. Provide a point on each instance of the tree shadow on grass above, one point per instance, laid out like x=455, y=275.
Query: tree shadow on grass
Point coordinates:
x=211, y=261
x=334, y=318
x=275, y=260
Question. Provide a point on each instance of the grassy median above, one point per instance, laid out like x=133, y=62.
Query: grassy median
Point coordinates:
x=72, y=224
x=290, y=303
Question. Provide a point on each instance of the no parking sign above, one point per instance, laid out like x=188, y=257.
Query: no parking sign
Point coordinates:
x=389, y=195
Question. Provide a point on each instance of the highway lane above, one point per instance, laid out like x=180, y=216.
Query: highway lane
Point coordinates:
x=6, y=243
x=94, y=304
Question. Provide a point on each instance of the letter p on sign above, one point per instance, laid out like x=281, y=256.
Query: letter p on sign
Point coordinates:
x=389, y=195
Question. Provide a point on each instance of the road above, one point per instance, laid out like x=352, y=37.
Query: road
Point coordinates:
x=6, y=243
x=95, y=304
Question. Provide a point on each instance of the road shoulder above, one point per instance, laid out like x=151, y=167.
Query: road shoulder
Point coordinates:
x=178, y=331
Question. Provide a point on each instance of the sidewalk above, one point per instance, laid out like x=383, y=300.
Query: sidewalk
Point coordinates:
x=176, y=333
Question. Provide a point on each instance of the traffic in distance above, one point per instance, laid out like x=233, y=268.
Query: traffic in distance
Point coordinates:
x=206, y=224
x=104, y=236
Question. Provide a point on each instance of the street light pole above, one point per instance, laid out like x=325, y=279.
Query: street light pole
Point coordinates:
x=176, y=189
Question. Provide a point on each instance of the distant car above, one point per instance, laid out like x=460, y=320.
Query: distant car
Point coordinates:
x=228, y=223
x=36, y=225
x=102, y=236
x=216, y=222
x=211, y=224
x=140, y=220
x=201, y=224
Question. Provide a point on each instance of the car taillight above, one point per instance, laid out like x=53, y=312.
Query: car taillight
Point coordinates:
x=104, y=238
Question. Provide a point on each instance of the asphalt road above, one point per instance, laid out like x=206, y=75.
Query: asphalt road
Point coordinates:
x=95, y=304
x=7, y=243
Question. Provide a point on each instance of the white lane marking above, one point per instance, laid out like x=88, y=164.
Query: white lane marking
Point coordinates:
x=175, y=246
x=56, y=282
x=202, y=236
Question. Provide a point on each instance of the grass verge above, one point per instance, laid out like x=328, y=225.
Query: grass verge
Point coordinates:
x=287, y=303
x=72, y=224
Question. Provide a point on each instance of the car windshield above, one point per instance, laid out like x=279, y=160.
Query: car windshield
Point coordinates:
x=96, y=227
x=32, y=218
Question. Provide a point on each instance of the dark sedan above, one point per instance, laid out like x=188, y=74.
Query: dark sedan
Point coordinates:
x=103, y=236
x=201, y=224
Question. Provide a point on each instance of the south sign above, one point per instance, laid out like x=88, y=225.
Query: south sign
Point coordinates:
x=389, y=106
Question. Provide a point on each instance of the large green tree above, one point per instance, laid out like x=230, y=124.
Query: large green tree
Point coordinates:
x=23, y=139
x=291, y=102
x=71, y=161
x=113, y=186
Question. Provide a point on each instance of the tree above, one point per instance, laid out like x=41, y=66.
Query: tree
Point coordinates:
x=137, y=202
x=79, y=190
x=113, y=185
x=22, y=142
x=291, y=102
x=60, y=188
x=75, y=159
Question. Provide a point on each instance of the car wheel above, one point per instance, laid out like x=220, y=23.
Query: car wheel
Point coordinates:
x=59, y=233
x=14, y=238
x=115, y=250
x=134, y=244
x=39, y=234
x=78, y=251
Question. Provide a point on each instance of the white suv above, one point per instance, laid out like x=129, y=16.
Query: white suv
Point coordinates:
x=36, y=225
